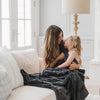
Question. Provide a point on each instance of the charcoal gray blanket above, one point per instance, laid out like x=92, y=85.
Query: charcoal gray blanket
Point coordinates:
x=67, y=84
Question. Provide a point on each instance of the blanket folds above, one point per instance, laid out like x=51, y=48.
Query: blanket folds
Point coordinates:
x=68, y=85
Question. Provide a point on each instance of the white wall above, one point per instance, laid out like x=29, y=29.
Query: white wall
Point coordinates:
x=50, y=13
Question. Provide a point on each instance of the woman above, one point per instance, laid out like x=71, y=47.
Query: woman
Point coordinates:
x=67, y=84
x=53, y=43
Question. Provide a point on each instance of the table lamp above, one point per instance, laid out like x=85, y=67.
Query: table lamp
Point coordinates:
x=76, y=7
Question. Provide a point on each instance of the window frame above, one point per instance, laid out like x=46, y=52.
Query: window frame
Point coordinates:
x=13, y=4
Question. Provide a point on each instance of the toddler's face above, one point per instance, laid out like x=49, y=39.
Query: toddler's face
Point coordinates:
x=67, y=42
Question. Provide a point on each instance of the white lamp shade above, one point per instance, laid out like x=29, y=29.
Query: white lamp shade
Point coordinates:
x=76, y=6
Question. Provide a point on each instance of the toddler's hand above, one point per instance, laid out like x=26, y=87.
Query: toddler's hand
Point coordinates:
x=59, y=66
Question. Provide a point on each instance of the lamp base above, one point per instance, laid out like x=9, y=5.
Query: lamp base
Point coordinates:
x=76, y=23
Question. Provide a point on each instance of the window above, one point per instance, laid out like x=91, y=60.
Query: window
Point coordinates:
x=24, y=23
x=5, y=23
x=18, y=23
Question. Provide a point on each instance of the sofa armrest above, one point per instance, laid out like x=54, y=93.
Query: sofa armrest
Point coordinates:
x=91, y=87
x=41, y=67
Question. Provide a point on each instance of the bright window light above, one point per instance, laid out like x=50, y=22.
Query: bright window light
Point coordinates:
x=27, y=32
x=5, y=33
x=5, y=8
x=24, y=23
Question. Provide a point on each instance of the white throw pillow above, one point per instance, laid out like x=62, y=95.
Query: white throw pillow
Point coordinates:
x=8, y=61
x=27, y=60
x=5, y=84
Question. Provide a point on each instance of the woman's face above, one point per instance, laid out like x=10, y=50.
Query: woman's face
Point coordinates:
x=67, y=42
x=60, y=37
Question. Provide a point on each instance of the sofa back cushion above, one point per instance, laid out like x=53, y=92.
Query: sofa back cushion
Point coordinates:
x=5, y=84
x=27, y=60
x=8, y=61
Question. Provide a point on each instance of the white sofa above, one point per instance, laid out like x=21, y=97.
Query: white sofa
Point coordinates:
x=28, y=60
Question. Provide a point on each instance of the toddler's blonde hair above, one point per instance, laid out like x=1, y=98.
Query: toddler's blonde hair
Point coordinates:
x=76, y=43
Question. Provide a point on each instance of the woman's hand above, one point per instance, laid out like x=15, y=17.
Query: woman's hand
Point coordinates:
x=61, y=56
x=73, y=66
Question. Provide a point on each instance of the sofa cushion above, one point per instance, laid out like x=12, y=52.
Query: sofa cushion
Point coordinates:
x=8, y=61
x=27, y=60
x=5, y=84
x=32, y=93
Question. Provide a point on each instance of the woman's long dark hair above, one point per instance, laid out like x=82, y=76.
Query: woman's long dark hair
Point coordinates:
x=51, y=47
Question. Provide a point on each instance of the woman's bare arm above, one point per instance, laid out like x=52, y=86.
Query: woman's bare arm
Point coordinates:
x=44, y=63
x=61, y=56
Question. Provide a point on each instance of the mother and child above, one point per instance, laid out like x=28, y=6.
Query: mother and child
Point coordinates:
x=62, y=61
x=53, y=43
